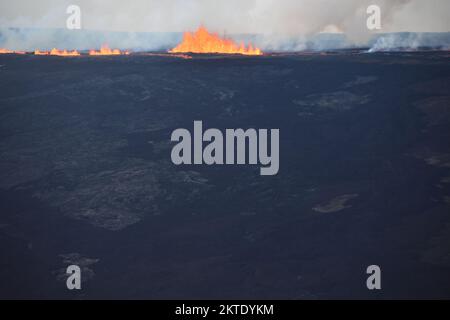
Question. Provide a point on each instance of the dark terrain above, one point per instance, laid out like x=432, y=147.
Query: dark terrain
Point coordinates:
x=86, y=177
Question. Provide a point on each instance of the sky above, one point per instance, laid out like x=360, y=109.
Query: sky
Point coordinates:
x=234, y=16
x=271, y=18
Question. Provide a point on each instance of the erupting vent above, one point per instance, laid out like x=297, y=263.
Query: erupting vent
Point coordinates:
x=202, y=41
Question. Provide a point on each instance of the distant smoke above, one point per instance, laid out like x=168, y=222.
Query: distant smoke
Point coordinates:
x=411, y=41
x=156, y=24
x=27, y=39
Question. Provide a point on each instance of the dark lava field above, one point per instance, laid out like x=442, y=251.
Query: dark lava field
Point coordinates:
x=86, y=176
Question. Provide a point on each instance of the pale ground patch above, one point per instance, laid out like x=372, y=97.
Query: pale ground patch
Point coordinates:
x=336, y=204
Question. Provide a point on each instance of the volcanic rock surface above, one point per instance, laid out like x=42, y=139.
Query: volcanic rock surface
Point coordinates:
x=85, y=168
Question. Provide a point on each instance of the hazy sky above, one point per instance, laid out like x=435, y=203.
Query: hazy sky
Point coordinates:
x=283, y=24
x=233, y=16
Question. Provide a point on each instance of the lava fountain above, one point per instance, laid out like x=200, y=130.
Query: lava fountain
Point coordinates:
x=106, y=51
x=57, y=52
x=41, y=53
x=64, y=53
x=202, y=41
x=7, y=51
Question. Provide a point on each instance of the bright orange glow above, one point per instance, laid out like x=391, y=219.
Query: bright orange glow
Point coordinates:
x=57, y=52
x=106, y=51
x=5, y=51
x=41, y=53
x=64, y=53
x=202, y=41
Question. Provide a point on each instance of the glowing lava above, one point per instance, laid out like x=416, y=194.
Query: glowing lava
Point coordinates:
x=57, y=52
x=202, y=41
x=5, y=51
x=64, y=53
x=106, y=51
x=41, y=53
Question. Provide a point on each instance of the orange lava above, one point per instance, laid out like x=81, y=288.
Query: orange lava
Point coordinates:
x=5, y=51
x=41, y=53
x=64, y=53
x=106, y=51
x=57, y=52
x=202, y=41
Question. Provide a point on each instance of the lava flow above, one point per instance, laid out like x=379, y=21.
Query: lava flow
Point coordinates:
x=64, y=53
x=202, y=41
x=5, y=51
x=41, y=53
x=106, y=51
x=57, y=52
